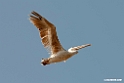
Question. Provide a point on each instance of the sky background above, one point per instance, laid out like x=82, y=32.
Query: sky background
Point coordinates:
x=98, y=22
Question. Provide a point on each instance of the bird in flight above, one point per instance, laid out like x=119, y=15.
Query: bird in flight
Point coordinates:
x=51, y=42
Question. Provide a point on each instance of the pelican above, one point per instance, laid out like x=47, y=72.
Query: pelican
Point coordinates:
x=51, y=42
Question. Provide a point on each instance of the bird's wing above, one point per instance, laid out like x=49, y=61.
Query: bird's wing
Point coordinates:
x=47, y=32
x=80, y=47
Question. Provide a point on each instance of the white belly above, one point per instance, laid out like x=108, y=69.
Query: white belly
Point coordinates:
x=60, y=56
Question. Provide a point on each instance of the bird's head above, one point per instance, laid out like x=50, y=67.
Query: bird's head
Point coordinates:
x=45, y=61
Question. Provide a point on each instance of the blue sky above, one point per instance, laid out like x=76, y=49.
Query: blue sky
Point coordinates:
x=98, y=22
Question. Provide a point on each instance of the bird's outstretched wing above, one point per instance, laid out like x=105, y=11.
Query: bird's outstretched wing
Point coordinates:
x=79, y=47
x=47, y=33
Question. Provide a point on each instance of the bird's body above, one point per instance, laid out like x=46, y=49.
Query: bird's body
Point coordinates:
x=50, y=40
x=60, y=56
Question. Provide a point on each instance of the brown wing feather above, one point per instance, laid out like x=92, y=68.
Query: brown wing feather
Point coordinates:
x=47, y=33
